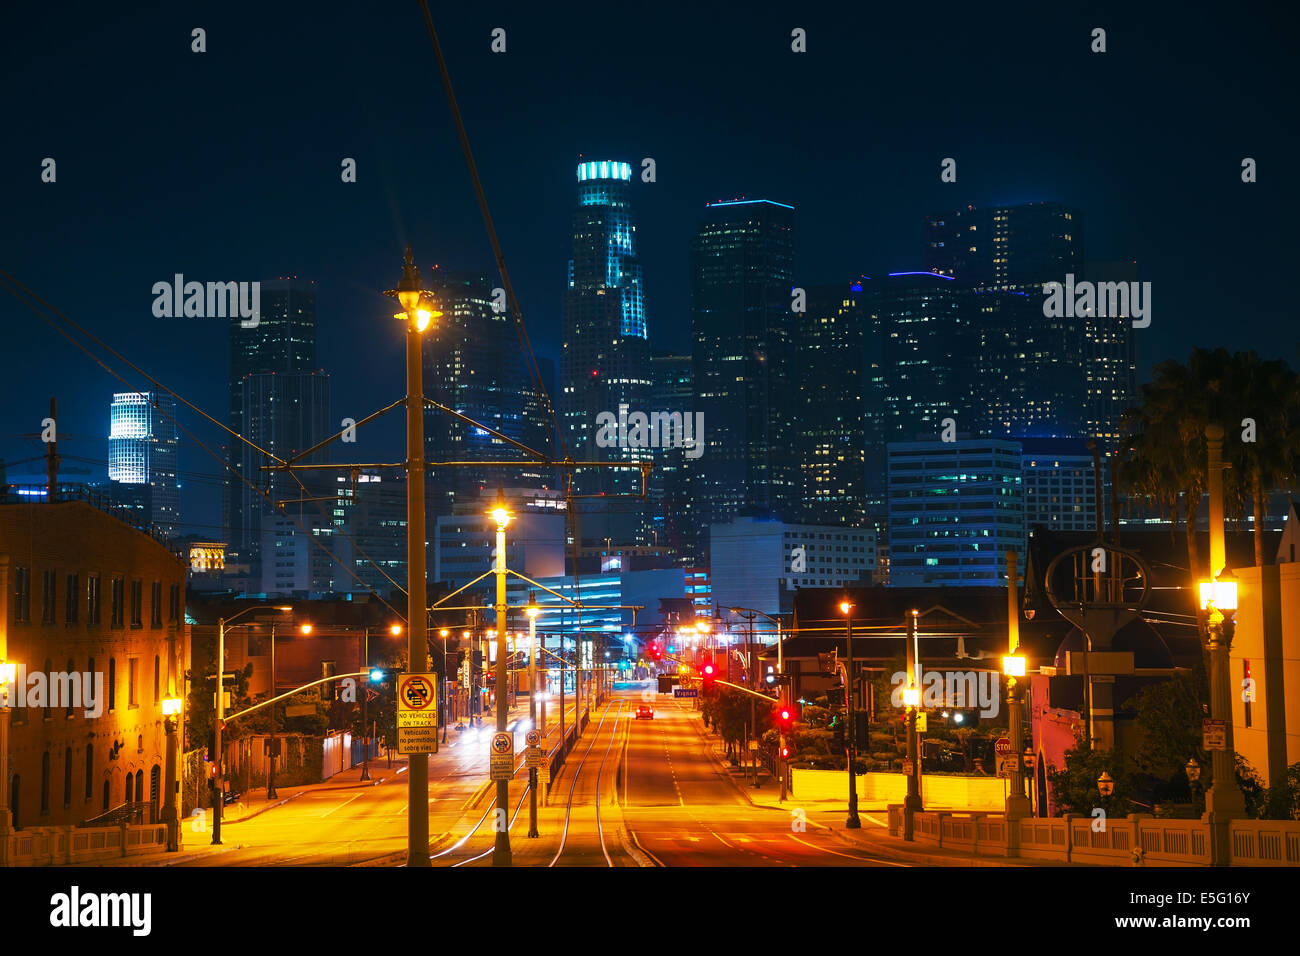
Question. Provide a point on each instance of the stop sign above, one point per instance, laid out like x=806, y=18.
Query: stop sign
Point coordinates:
x=1002, y=747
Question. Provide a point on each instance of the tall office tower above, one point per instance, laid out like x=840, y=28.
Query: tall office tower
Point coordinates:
x=1006, y=247
x=538, y=423
x=672, y=512
x=142, y=446
x=829, y=410
x=1030, y=377
x=1109, y=360
x=605, y=365
x=954, y=510
x=283, y=413
x=474, y=364
x=742, y=270
x=284, y=340
x=1060, y=490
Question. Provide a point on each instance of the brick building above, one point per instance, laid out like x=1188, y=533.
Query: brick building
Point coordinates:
x=83, y=591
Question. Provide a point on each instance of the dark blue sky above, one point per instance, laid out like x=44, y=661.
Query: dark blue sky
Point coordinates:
x=225, y=165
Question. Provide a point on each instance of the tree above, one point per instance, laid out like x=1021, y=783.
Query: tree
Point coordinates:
x=1074, y=786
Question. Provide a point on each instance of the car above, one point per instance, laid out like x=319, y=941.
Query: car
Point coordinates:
x=646, y=711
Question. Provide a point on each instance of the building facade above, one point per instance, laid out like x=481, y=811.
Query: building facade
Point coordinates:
x=142, y=451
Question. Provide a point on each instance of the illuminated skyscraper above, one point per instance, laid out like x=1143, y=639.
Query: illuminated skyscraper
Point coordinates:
x=142, y=446
x=742, y=268
x=606, y=359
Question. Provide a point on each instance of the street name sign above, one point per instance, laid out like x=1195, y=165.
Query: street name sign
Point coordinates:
x=685, y=692
x=417, y=713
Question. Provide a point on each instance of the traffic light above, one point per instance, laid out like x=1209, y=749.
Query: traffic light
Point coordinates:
x=708, y=674
x=837, y=732
x=785, y=752
x=377, y=675
x=771, y=675
x=655, y=652
x=784, y=719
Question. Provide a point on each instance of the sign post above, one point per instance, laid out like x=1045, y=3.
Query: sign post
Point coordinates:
x=417, y=714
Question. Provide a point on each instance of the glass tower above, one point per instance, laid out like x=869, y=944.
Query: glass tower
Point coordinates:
x=142, y=445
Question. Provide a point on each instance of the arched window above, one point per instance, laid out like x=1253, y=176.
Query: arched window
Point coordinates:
x=130, y=787
x=67, y=704
x=45, y=781
x=90, y=771
x=139, y=743
x=155, y=789
x=139, y=786
x=157, y=673
x=67, y=777
x=107, y=794
x=49, y=697
x=112, y=683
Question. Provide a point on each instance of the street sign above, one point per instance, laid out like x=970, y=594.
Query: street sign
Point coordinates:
x=1214, y=734
x=502, y=756
x=1002, y=747
x=686, y=692
x=534, y=757
x=922, y=721
x=417, y=713
x=1007, y=764
x=532, y=738
x=907, y=768
x=1031, y=760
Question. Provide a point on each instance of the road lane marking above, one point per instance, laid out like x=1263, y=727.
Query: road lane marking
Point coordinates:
x=340, y=806
x=860, y=859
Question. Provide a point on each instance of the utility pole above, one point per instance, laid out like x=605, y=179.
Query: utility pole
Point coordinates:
x=52, y=455
x=365, y=710
x=853, y=822
x=1018, y=804
x=912, y=802
x=532, y=711
x=501, y=849
x=270, y=767
x=217, y=794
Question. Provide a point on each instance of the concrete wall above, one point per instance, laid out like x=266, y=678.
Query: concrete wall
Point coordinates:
x=1267, y=640
x=937, y=790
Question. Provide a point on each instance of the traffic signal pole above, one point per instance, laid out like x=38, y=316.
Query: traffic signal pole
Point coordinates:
x=501, y=849
x=912, y=802
x=853, y=822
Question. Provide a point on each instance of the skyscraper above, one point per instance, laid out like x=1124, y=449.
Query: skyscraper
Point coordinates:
x=672, y=510
x=830, y=439
x=1109, y=360
x=283, y=341
x=605, y=364
x=474, y=364
x=742, y=269
x=142, y=447
x=1029, y=381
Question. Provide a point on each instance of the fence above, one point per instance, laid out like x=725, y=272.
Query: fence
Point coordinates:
x=940, y=790
x=65, y=844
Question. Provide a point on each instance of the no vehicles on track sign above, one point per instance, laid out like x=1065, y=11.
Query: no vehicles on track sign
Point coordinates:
x=417, y=713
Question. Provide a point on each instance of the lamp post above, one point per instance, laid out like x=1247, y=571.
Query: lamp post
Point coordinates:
x=446, y=684
x=1105, y=787
x=171, y=708
x=417, y=319
x=8, y=675
x=270, y=765
x=912, y=700
x=853, y=822
x=1194, y=779
x=532, y=709
x=1224, y=801
x=1013, y=666
x=219, y=790
x=501, y=848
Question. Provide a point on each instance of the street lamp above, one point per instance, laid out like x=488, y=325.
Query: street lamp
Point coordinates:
x=1105, y=784
x=912, y=698
x=501, y=515
x=8, y=676
x=417, y=312
x=1224, y=800
x=853, y=823
x=218, y=793
x=1194, y=778
x=171, y=709
x=446, y=683
x=532, y=610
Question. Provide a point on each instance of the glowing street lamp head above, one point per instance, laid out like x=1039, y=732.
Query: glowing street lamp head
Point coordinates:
x=411, y=296
x=702, y=625
x=1013, y=665
x=911, y=697
x=444, y=632
x=171, y=706
x=1220, y=594
x=846, y=607
x=305, y=628
x=283, y=607
x=8, y=672
x=501, y=516
x=395, y=630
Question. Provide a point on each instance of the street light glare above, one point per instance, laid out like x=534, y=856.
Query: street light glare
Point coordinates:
x=501, y=516
x=305, y=628
x=395, y=629
x=845, y=607
x=422, y=319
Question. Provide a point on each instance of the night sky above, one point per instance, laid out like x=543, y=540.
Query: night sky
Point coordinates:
x=225, y=165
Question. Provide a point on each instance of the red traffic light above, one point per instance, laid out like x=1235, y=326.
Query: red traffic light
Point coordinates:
x=785, y=753
x=708, y=669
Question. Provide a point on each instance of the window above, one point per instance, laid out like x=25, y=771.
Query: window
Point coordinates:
x=132, y=671
x=90, y=771
x=72, y=598
x=67, y=777
x=67, y=704
x=45, y=783
x=112, y=683
x=22, y=596
x=92, y=599
x=137, y=604
x=49, y=581
x=155, y=605
x=174, y=611
x=157, y=673
x=49, y=689
x=106, y=794
x=118, y=598
x=1247, y=683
